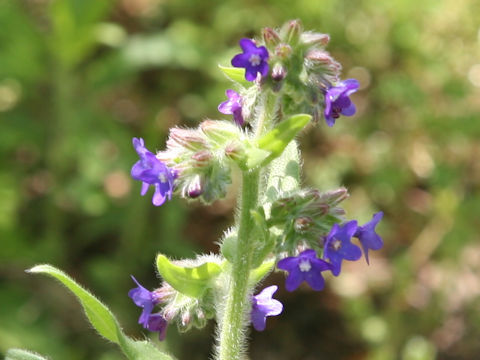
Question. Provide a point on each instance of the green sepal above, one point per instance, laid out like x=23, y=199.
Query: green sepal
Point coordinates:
x=277, y=139
x=190, y=281
x=97, y=313
x=19, y=354
x=257, y=274
x=235, y=74
x=228, y=246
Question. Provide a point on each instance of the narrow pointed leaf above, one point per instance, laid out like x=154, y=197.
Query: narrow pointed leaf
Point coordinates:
x=97, y=313
x=19, y=354
x=191, y=281
x=235, y=74
x=277, y=139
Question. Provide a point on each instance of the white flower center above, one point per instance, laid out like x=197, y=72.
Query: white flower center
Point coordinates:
x=304, y=265
x=162, y=177
x=336, y=244
x=254, y=60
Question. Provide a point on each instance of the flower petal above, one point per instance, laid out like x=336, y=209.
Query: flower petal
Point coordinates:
x=294, y=279
x=158, y=196
x=349, y=110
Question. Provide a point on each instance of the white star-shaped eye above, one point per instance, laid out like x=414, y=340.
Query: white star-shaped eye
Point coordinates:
x=304, y=265
x=254, y=60
x=162, y=177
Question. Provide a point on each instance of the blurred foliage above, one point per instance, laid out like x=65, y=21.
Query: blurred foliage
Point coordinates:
x=80, y=78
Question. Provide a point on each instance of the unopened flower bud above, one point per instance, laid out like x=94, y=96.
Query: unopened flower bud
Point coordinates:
x=309, y=38
x=303, y=223
x=200, y=319
x=235, y=151
x=270, y=37
x=321, y=67
x=335, y=197
x=169, y=313
x=278, y=74
x=322, y=58
x=164, y=293
x=219, y=131
x=191, y=139
x=194, y=188
x=293, y=29
x=202, y=158
x=283, y=51
x=186, y=318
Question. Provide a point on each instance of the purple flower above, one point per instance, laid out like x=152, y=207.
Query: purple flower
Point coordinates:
x=337, y=100
x=253, y=59
x=147, y=300
x=232, y=106
x=338, y=246
x=157, y=323
x=263, y=305
x=152, y=171
x=304, y=267
x=369, y=239
x=144, y=299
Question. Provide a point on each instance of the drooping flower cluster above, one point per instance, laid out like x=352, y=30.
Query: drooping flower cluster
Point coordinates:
x=147, y=300
x=337, y=247
x=151, y=171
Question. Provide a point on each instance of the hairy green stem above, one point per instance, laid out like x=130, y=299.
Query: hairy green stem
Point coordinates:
x=235, y=316
x=234, y=320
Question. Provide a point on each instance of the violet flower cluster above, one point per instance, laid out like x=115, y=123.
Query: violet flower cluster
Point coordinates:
x=292, y=68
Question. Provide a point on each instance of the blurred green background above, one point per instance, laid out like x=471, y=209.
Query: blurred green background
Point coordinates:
x=80, y=78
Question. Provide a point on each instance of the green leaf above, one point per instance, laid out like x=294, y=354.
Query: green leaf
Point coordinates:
x=235, y=74
x=140, y=350
x=100, y=317
x=19, y=354
x=277, y=139
x=191, y=281
x=97, y=313
x=257, y=274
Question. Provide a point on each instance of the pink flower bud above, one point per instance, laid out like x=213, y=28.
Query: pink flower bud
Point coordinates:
x=310, y=38
x=270, y=37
